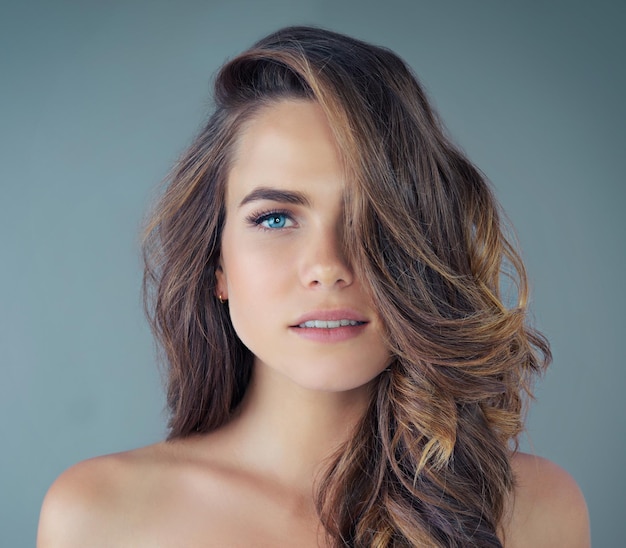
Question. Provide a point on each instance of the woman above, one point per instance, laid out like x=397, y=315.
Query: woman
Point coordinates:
x=324, y=275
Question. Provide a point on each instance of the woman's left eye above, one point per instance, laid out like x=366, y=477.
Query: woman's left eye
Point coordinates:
x=275, y=220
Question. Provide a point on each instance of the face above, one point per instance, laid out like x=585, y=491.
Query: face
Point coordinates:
x=293, y=299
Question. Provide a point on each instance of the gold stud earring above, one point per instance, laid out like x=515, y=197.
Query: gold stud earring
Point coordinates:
x=220, y=299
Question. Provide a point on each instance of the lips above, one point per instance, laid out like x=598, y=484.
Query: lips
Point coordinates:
x=330, y=319
x=330, y=324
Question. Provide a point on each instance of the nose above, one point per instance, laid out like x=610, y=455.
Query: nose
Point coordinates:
x=324, y=263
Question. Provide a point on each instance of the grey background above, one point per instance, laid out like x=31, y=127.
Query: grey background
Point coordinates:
x=97, y=101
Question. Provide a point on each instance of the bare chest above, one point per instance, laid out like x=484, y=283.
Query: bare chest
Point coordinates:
x=225, y=516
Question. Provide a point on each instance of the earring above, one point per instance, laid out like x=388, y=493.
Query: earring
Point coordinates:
x=220, y=299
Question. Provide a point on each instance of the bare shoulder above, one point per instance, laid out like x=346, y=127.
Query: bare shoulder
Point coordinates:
x=98, y=498
x=176, y=493
x=547, y=508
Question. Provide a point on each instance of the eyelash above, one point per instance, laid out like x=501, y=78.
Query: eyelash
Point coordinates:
x=258, y=217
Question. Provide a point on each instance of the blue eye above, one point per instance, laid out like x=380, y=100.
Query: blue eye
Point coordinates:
x=274, y=220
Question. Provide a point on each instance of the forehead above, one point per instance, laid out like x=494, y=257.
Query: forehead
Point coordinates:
x=288, y=143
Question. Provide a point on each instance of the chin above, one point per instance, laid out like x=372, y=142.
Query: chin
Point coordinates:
x=332, y=379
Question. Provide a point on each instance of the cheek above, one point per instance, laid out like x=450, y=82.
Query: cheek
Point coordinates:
x=251, y=274
x=258, y=284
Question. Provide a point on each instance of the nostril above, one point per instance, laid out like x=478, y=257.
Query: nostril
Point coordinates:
x=324, y=268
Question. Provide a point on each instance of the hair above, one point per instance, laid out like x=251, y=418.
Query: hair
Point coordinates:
x=430, y=462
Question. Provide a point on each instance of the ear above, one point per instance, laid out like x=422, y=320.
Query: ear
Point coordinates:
x=221, y=287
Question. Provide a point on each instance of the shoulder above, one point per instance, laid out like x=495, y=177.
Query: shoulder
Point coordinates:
x=547, y=507
x=98, y=498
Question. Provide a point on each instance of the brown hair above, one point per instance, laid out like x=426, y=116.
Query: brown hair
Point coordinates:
x=430, y=462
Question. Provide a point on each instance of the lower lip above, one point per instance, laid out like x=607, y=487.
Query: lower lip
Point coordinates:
x=335, y=334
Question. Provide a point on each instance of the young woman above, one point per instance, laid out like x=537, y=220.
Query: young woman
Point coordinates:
x=324, y=275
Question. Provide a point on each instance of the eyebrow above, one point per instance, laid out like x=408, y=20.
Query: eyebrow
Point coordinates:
x=275, y=195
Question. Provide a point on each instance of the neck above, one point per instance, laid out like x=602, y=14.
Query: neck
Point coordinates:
x=288, y=433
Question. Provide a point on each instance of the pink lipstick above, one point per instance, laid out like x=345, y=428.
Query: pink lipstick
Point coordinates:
x=329, y=325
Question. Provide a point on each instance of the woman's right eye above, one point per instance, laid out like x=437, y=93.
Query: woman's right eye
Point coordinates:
x=274, y=220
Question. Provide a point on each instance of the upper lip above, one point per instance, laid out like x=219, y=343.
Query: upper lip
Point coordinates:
x=331, y=315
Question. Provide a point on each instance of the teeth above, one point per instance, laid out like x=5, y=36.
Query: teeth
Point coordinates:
x=331, y=324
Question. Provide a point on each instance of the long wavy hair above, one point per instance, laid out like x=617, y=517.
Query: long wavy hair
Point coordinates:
x=430, y=461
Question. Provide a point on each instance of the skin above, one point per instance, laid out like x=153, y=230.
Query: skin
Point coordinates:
x=251, y=482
